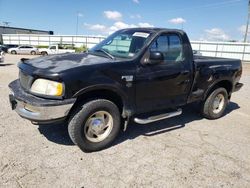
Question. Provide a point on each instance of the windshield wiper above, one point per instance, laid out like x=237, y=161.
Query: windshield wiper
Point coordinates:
x=105, y=52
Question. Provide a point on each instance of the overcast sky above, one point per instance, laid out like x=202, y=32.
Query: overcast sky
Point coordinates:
x=201, y=19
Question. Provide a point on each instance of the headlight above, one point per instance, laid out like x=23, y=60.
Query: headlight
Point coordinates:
x=47, y=87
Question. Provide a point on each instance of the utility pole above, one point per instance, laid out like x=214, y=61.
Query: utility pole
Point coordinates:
x=247, y=26
x=77, y=20
x=77, y=17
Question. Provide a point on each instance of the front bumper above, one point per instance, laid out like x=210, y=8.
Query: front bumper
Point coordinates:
x=38, y=109
x=1, y=59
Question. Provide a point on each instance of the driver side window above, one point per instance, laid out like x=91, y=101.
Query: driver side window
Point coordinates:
x=170, y=46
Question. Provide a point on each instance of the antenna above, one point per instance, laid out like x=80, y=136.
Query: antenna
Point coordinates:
x=247, y=26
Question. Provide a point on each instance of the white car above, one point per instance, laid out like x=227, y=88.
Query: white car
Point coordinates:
x=23, y=50
x=197, y=53
x=1, y=56
x=55, y=49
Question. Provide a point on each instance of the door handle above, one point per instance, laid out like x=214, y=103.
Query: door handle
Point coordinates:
x=186, y=81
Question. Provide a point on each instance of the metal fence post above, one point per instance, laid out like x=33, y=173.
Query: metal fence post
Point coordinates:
x=216, y=49
x=244, y=51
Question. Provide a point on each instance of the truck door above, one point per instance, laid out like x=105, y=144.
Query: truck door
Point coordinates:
x=53, y=49
x=167, y=84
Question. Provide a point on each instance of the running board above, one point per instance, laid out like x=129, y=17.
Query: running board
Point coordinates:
x=158, y=117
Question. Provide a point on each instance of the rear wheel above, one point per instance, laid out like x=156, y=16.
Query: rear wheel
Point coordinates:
x=215, y=104
x=13, y=52
x=95, y=125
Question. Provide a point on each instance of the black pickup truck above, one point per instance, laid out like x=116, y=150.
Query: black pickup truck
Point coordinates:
x=141, y=74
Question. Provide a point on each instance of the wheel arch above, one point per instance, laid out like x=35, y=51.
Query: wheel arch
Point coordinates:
x=227, y=84
x=43, y=52
x=104, y=92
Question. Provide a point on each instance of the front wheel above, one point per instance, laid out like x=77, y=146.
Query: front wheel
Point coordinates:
x=215, y=104
x=95, y=125
x=13, y=52
x=33, y=53
x=44, y=53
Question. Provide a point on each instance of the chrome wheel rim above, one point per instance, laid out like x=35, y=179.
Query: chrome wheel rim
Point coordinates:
x=218, y=103
x=98, y=126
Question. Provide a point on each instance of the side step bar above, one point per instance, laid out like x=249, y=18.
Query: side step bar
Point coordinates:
x=158, y=117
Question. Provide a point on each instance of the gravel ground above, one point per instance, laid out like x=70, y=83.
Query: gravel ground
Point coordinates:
x=185, y=151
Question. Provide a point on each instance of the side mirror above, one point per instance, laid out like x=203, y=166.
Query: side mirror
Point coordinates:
x=155, y=57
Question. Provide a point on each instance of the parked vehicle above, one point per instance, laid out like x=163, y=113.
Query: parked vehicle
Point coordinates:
x=5, y=47
x=55, y=49
x=197, y=53
x=2, y=48
x=1, y=56
x=24, y=50
x=142, y=75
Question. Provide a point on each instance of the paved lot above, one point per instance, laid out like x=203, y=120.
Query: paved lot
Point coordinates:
x=186, y=151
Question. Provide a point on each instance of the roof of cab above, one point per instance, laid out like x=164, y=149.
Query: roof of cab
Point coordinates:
x=153, y=29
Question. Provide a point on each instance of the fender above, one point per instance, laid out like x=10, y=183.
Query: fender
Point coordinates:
x=100, y=87
x=214, y=84
x=127, y=107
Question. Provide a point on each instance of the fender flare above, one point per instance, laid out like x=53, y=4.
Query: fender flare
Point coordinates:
x=127, y=109
x=211, y=86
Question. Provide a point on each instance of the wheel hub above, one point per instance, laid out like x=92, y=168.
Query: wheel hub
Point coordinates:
x=98, y=126
x=218, y=103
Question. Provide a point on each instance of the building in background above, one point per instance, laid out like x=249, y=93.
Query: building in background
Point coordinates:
x=16, y=30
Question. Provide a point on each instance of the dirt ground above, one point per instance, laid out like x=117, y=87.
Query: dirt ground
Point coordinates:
x=185, y=151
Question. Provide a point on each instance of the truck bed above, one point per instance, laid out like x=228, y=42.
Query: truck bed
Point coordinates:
x=208, y=69
x=203, y=63
x=206, y=59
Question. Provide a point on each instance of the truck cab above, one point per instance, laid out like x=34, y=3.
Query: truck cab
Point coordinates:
x=139, y=74
x=55, y=49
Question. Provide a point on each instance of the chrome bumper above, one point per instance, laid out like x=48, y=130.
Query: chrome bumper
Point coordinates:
x=37, y=109
x=41, y=113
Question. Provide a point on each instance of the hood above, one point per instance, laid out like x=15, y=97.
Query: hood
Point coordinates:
x=61, y=62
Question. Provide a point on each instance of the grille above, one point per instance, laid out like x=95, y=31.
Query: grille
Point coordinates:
x=25, y=80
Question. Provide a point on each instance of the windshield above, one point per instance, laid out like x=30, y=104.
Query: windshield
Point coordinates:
x=122, y=44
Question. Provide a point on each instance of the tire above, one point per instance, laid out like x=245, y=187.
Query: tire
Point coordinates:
x=215, y=104
x=44, y=53
x=33, y=53
x=13, y=52
x=82, y=126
